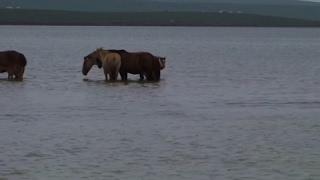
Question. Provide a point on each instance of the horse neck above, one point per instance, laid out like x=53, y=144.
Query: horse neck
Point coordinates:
x=101, y=54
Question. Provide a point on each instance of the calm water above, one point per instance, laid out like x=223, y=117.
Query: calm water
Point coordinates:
x=233, y=103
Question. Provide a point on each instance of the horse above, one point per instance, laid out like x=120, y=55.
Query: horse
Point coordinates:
x=142, y=63
x=110, y=62
x=14, y=63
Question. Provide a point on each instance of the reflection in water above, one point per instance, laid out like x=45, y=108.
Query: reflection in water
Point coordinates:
x=232, y=103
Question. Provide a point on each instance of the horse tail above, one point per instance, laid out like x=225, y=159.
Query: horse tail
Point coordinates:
x=23, y=60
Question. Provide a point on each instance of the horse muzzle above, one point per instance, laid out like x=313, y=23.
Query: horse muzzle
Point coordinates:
x=84, y=73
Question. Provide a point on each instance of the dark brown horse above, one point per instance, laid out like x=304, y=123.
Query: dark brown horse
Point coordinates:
x=14, y=63
x=142, y=63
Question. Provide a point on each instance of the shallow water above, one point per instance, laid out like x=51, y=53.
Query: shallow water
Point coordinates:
x=232, y=103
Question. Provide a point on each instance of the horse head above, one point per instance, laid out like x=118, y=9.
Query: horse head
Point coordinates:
x=162, y=62
x=90, y=60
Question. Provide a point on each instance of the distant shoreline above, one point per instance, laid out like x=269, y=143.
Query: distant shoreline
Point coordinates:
x=217, y=26
x=189, y=19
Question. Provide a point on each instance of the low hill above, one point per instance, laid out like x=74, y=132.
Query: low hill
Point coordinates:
x=50, y=17
x=282, y=8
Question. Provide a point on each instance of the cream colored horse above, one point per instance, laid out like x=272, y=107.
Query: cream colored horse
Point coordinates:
x=110, y=62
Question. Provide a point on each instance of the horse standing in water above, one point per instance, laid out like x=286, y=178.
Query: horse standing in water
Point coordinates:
x=14, y=63
x=142, y=63
x=110, y=62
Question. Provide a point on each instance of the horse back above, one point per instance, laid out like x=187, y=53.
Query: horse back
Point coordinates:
x=12, y=58
x=114, y=58
x=130, y=62
x=149, y=60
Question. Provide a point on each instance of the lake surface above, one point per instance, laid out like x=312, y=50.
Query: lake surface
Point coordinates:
x=232, y=103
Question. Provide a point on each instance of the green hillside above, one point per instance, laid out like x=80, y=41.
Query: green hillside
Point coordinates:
x=282, y=8
x=49, y=17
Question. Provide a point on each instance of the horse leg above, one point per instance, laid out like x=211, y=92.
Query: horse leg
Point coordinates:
x=10, y=75
x=149, y=75
x=116, y=73
x=124, y=75
x=19, y=73
x=141, y=76
x=156, y=75
x=105, y=73
x=112, y=75
x=117, y=70
x=111, y=71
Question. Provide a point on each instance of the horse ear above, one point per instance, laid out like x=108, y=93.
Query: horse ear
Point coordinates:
x=99, y=63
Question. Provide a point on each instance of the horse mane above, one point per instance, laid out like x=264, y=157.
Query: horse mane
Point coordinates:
x=103, y=53
x=119, y=51
x=99, y=49
x=161, y=57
